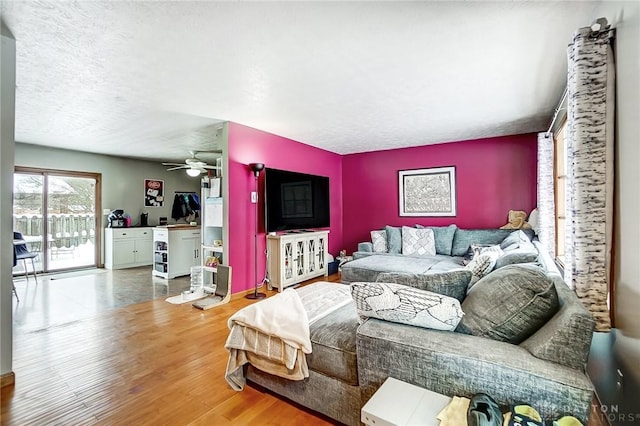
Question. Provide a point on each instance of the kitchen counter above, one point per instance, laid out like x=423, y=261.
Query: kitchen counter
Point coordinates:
x=179, y=226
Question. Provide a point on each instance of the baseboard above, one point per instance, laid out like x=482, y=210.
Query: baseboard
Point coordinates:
x=7, y=379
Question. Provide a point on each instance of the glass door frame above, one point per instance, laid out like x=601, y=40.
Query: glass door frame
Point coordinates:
x=45, y=173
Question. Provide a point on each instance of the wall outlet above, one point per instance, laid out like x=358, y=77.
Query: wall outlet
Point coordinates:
x=254, y=197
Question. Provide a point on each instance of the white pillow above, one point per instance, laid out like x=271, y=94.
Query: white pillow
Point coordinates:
x=534, y=221
x=379, y=240
x=406, y=305
x=418, y=241
x=483, y=262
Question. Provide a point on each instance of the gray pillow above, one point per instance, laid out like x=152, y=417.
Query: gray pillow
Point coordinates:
x=515, y=240
x=516, y=256
x=464, y=238
x=444, y=237
x=509, y=304
x=453, y=283
x=394, y=239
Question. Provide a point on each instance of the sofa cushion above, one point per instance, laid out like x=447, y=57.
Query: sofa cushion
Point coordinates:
x=333, y=342
x=444, y=237
x=418, y=242
x=379, y=241
x=406, y=305
x=509, y=304
x=367, y=268
x=463, y=238
x=394, y=239
x=453, y=284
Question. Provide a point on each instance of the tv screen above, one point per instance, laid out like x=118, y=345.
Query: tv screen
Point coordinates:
x=295, y=201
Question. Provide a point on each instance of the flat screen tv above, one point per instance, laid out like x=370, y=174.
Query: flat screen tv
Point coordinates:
x=295, y=201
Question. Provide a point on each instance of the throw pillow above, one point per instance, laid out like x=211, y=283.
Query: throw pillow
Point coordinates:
x=533, y=220
x=444, y=237
x=379, y=240
x=394, y=239
x=406, y=305
x=453, y=283
x=511, y=257
x=418, y=242
x=515, y=240
x=483, y=262
x=509, y=304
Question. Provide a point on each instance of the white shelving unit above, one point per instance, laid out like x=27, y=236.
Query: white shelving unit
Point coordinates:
x=212, y=213
x=297, y=257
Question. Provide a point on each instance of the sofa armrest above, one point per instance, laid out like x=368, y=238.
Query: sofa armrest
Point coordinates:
x=366, y=246
x=457, y=364
x=566, y=337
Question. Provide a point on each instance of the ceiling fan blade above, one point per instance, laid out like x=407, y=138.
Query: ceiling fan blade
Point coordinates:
x=206, y=166
x=172, y=164
x=178, y=168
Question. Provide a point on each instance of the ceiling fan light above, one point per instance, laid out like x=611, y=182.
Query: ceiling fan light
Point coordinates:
x=193, y=172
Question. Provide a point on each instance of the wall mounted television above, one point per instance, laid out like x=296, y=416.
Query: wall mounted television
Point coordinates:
x=295, y=201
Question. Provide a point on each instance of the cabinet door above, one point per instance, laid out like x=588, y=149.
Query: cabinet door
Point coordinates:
x=286, y=257
x=300, y=258
x=195, y=244
x=123, y=252
x=321, y=257
x=144, y=251
x=312, y=255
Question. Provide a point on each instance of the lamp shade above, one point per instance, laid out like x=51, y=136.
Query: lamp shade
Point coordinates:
x=193, y=172
x=256, y=168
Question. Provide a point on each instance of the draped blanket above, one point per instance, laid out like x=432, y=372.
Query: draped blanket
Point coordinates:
x=273, y=334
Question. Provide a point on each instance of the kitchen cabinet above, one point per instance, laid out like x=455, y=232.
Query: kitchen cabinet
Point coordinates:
x=128, y=247
x=175, y=250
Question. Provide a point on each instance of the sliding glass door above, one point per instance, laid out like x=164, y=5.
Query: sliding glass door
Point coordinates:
x=56, y=214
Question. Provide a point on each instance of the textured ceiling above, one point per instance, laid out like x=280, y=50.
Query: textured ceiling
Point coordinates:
x=155, y=79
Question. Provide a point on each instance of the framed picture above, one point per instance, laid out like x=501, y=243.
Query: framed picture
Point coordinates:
x=153, y=193
x=428, y=192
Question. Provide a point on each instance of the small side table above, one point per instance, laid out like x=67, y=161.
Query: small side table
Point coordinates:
x=400, y=403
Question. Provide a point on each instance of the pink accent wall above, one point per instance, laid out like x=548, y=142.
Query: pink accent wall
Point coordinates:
x=246, y=146
x=493, y=176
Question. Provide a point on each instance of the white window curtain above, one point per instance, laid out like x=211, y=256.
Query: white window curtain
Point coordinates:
x=589, y=195
x=546, y=193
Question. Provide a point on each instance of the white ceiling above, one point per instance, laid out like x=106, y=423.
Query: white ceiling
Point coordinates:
x=155, y=79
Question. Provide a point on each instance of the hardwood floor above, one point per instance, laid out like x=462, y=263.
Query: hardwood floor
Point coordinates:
x=147, y=363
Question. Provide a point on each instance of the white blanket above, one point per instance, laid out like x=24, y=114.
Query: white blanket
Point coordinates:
x=273, y=334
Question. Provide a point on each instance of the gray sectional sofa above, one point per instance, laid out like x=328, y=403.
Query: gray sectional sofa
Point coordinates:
x=350, y=361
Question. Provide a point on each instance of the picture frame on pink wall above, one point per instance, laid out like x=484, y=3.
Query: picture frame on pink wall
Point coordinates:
x=427, y=192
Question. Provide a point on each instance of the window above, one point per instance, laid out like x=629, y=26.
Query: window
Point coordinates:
x=560, y=184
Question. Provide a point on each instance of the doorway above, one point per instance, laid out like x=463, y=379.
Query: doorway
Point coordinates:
x=55, y=211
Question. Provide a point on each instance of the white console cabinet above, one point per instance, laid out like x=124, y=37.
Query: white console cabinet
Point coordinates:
x=296, y=257
x=175, y=250
x=127, y=247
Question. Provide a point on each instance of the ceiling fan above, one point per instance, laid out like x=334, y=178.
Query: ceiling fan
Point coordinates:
x=193, y=165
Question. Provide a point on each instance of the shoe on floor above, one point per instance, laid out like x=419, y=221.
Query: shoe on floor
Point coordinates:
x=523, y=415
x=567, y=421
x=483, y=411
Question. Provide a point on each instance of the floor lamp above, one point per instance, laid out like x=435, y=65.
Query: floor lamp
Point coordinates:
x=256, y=168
